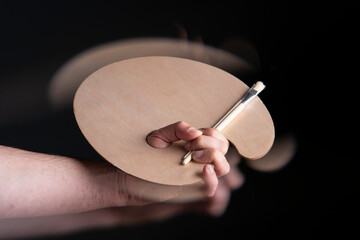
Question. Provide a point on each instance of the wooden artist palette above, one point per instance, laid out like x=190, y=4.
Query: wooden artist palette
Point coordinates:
x=119, y=104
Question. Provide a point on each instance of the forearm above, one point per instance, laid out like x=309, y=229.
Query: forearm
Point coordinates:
x=34, y=184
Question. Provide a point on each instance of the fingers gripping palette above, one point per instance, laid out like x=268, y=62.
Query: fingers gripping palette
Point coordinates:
x=119, y=104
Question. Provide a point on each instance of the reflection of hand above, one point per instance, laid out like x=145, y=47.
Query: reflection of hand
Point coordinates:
x=209, y=145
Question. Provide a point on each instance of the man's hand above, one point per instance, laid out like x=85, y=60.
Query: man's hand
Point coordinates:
x=209, y=145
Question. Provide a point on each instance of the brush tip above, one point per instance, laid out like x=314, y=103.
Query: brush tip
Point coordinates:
x=258, y=86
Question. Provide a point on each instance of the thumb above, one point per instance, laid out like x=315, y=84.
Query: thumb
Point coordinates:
x=163, y=137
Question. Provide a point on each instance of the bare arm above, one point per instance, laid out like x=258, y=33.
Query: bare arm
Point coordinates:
x=113, y=217
x=35, y=184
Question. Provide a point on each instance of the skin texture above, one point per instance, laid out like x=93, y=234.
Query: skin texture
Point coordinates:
x=35, y=184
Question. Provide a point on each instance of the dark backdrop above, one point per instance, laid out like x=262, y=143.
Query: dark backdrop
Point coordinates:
x=308, y=53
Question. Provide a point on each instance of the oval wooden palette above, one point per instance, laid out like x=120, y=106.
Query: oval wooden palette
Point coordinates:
x=118, y=105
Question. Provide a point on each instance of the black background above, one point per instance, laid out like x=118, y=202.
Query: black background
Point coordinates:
x=309, y=56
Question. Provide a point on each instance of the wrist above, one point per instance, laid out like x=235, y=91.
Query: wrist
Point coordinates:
x=128, y=190
x=108, y=186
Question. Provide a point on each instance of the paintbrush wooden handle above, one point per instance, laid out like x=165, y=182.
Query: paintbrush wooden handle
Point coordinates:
x=232, y=113
x=220, y=125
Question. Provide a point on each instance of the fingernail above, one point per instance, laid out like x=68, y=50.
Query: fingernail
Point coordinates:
x=198, y=154
x=209, y=169
x=194, y=130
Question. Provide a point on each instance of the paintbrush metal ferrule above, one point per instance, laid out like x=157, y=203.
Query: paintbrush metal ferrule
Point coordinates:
x=248, y=96
x=252, y=92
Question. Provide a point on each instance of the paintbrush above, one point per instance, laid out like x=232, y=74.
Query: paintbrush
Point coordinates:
x=232, y=113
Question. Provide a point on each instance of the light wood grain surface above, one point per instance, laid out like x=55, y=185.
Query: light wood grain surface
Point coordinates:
x=118, y=105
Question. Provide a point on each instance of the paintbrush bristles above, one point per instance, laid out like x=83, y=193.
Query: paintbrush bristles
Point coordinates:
x=258, y=86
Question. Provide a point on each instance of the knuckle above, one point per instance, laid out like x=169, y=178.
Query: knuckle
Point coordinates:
x=180, y=123
x=224, y=146
x=198, y=142
x=221, y=164
x=214, y=155
x=227, y=142
x=225, y=169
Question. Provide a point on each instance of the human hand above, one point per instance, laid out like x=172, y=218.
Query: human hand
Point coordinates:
x=209, y=144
